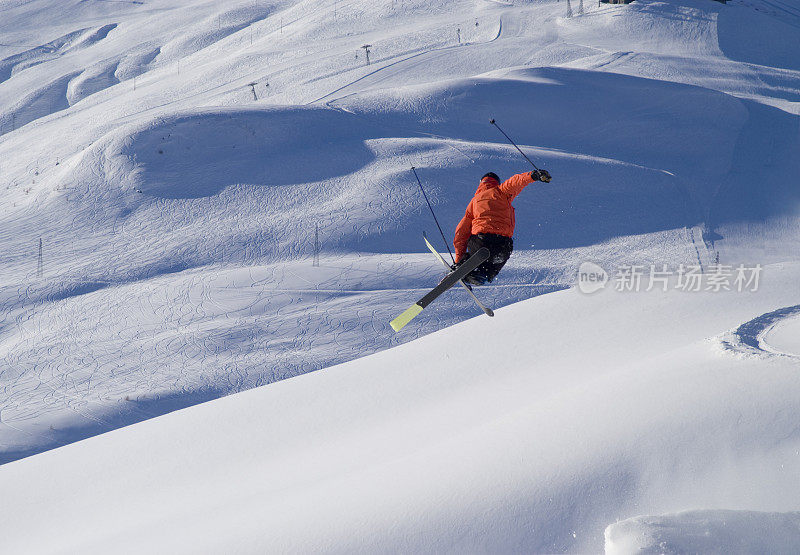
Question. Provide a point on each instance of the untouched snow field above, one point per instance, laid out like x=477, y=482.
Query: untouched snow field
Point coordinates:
x=178, y=162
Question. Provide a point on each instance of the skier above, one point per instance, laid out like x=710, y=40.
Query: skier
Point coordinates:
x=489, y=222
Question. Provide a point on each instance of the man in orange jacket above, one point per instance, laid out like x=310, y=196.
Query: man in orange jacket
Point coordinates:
x=489, y=222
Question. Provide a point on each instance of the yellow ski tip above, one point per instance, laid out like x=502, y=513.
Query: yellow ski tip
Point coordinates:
x=410, y=313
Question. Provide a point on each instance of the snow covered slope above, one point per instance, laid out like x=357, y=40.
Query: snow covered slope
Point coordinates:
x=180, y=160
x=529, y=435
x=706, y=532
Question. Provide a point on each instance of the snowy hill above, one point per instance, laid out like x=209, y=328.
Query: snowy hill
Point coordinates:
x=180, y=161
x=530, y=435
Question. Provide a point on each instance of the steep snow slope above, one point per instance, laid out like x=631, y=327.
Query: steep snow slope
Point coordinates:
x=178, y=215
x=532, y=434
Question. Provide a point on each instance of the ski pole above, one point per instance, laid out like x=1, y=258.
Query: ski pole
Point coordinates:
x=446, y=244
x=513, y=143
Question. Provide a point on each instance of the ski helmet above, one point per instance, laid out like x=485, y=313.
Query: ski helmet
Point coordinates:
x=492, y=175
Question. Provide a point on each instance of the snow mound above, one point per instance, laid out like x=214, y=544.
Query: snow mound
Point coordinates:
x=180, y=157
x=710, y=531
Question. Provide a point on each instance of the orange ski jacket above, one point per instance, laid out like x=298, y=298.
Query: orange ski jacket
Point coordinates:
x=490, y=210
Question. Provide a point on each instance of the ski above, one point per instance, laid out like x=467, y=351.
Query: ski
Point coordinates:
x=486, y=310
x=449, y=281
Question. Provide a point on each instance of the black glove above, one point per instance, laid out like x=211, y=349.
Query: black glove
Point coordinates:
x=541, y=175
x=455, y=265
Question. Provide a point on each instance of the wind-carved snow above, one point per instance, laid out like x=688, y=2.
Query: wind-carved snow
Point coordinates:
x=70, y=42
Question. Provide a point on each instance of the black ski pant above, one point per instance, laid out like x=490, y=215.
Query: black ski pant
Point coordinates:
x=500, y=248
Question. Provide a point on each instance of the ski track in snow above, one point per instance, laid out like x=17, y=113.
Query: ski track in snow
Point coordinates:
x=752, y=337
x=124, y=352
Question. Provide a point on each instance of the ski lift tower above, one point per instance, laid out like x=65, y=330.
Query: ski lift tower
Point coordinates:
x=366, y=48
